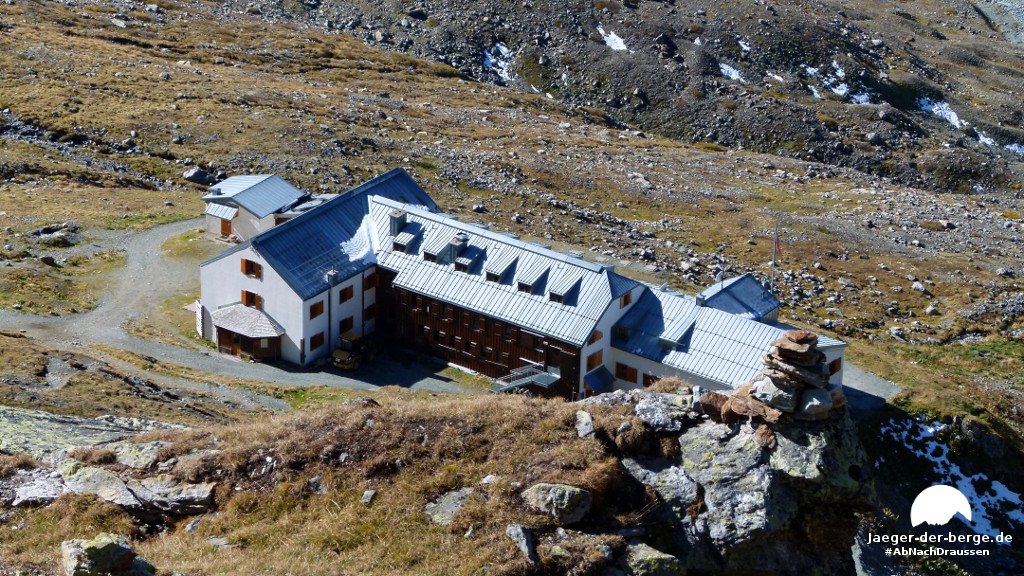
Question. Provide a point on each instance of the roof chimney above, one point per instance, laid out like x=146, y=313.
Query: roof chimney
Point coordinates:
x=398, y=220
x=457, y=245
x=699, y=298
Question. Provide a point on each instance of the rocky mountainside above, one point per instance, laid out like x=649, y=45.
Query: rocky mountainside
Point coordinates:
x=925, y=93
x=646, y=483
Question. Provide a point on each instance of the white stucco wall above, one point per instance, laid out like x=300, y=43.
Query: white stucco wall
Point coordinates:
x=608, y=320
x=222, y=282
x=334, y=312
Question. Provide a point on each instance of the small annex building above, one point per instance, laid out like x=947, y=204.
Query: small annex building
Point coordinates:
x=240, y=207
x=382, y=259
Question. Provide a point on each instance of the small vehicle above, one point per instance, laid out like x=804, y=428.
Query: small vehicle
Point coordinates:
x=352, y=349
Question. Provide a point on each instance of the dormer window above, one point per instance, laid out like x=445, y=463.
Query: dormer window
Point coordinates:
x=492, y=277
x=461, y=267
x=557, y=298
x=398, y=246
x=524, y=287
x=429, y=257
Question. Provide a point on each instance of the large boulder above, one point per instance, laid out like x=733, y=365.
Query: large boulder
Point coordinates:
x=165, y=493
x=643, y=560
x=32, y=488
x=198, y=176
x=443, y=510
x=567, y=504
x=103, y=483
x=662, y=412
x=104, y=555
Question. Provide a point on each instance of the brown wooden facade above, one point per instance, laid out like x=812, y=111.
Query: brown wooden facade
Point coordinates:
x=229, y=342
x=487, y=345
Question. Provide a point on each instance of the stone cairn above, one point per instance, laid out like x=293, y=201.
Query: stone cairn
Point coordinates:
x=795, y=378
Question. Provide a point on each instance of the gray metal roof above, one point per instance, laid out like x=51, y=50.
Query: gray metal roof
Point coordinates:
x=335, y=236
x=222, y=211
x=571, y=321
x=260, y=194
x=716, y=345
x=246, y=321
x=742, y=295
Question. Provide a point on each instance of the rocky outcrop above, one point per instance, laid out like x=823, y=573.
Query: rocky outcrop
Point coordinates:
x=443, y=510
x=740, y=482
x=101, y=482
x=47, y=437
x=104, y=555
x=795, y=378
x=166, y=494
x=567, y=504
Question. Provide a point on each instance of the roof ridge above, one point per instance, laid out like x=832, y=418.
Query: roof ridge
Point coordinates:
x=324, y=208
x=492, y=235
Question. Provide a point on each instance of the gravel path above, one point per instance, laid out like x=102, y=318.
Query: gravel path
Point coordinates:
x=864, y=390
x=148, y=279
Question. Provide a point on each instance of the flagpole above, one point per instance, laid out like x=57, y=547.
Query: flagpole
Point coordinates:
x=775, y=254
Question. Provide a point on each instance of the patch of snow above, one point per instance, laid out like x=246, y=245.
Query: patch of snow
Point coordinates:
x=697, y=42
x=1015, y=148
x=744, y=45
x=776, y=77
x=942, y=110
x=498, y=59
x=814, y=91
x=548, y=94
x=986, y=496
x=731, y=73
x=840, y=73
x=861, y=98
x=986, y=139
x=359, y=248
x=611, y=39
x=842, y=89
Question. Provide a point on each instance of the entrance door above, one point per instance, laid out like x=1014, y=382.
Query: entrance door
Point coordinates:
x=225, y=227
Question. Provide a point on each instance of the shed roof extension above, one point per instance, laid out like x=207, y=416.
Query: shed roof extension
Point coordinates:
x=260, y=194
x=741, y=295
x=570, y=318
x=669, y=327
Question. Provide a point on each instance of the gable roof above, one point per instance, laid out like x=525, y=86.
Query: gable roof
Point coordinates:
x=741, y=295
x=334, y=236
x=260, y=194
x=591, y=287
x=669, y=327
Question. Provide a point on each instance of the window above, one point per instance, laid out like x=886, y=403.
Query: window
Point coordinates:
x=252, y=300
x=460, y=267
x=252, y=269
x=621, y=333
x=524, y=287
x=398, y=246
x=650, y=380
x=556, y=298
x=345, y=295
x=225, y=227
x=370, y=312
x=492, y=277
x=264, y=343
x=594, y=360
x=370, y=281
x=316, y=309
x=624, y=372
x=625, y=300
x=346, y=324
x=595, y=336
x=316, y=341
x=835, y=366
x=430, y=257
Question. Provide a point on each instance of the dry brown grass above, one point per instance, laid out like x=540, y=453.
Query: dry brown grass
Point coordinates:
x=412, y=452
x=11, y=464
x=94, y=455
